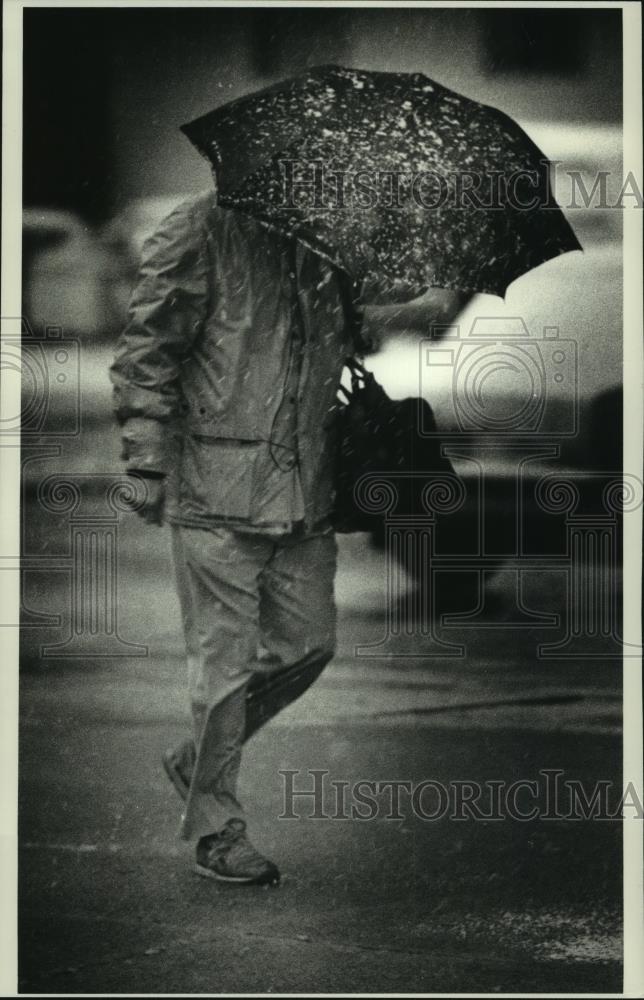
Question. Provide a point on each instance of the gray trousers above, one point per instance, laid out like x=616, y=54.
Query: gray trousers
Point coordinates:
x=259, y=621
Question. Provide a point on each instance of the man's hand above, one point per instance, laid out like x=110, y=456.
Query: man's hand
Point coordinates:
x=151, y=510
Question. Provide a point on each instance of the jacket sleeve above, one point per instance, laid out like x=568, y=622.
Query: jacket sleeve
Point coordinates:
x=166, y=313
x=391, y=292
x=358, y=296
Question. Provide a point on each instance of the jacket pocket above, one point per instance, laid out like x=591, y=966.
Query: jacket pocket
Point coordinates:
x=217, y=476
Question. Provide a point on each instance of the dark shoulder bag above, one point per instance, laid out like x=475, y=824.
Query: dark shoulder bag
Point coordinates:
x=384, y=437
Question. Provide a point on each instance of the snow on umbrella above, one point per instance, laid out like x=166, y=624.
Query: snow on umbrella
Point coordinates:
x=392, y=176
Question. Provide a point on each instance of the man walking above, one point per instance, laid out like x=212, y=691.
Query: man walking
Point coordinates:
x=225, y=385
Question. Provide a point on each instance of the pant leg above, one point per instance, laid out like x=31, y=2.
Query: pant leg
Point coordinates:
x=218, y=572
x=188, y=611
x=297, y=623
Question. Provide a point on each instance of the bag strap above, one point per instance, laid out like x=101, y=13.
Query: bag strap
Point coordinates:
x=361, y=378
x=353, y=316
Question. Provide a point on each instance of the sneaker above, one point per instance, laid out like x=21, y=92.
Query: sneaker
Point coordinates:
x=229, y=856
x=179, y=765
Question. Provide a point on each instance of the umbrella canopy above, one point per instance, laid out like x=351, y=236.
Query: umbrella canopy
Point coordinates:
x=392, y=176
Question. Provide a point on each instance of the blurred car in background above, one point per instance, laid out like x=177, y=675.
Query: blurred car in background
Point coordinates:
x=74, y=276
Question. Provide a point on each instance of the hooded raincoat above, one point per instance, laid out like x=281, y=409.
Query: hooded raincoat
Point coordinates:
x=226, y=374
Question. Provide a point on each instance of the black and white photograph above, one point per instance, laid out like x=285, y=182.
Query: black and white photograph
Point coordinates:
x=321, y=533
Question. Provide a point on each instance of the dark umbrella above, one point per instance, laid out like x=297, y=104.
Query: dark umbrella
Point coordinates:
x=392, y=176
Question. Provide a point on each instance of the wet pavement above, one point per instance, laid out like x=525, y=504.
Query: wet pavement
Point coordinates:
x=396, y=903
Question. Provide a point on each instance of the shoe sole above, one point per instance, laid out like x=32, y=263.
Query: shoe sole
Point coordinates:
x=237, y=879
x=174, y=775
